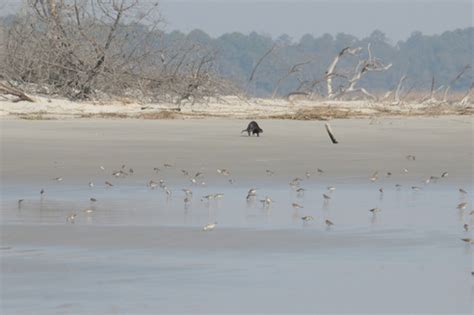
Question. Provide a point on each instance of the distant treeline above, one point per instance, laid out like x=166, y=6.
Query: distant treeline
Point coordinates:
x=420, y=58
x=426, y=61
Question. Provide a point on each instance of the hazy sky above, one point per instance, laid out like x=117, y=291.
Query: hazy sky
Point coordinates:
x=396, y=18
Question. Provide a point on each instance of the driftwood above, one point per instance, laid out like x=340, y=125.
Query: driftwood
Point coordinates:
x=364, y=66
x=10, y=90
x=449, y=86
x=331, y=135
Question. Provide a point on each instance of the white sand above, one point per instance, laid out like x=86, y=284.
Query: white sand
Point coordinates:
x=230, y=107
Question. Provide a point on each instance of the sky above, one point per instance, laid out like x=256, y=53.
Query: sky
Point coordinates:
x=396, y=18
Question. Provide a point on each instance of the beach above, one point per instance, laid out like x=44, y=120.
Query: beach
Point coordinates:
x=138, y=249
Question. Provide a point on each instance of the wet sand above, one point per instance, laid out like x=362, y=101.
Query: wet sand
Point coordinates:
x=141, y=251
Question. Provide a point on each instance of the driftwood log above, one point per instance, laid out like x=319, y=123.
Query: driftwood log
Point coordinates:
x=6, y=88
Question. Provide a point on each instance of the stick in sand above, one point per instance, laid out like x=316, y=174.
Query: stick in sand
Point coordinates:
x=328, y=129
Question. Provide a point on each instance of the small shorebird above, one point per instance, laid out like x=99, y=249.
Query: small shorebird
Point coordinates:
x=295, y=182
x=187, y=192
x=109, y=184
x=156, y=169
x=130, y=170
x=88, y=210
x=308, y=175
x=326, y=197
x=118, y=173
x=415, y=188
x=42, y=192
x=410, y=157
x=434, y=178
x=461, y=206
x=468, y=240
x=267, y=201
x=331, y=188
x=374, y=176
x=307, y=218
x=198, y=174
x=320, y=171
x=207, y=197
x=167, y=165
x=405, y=170
x=71, y=218
x=328, y=223
x=398, y=186
x=167, y=191
x=223, y=172
x=185, y=173
x=231, y=181
x=466, y=227
x=91, y=184
x=218, y=196
x=58, y=179
x=193, y=181
x=187, y=200
x=102, y=168
x=381, y=190
x=445, y=174
x=152, y=184
x=209, y=227
x=389, y=174
x=300, y=191
x=19, y=202
x=251, y=193
x=93, y=199
x=462, y=191
x=375, y=210
x=269, y=172
x=296, y=206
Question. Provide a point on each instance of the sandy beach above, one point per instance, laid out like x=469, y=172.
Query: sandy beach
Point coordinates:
x=140, y=250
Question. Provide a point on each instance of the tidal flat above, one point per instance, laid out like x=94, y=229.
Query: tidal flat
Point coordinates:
x=138, y=249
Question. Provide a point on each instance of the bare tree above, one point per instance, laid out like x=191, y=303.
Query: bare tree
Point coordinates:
x=293, y=69
x=265, y=55
x=364, y=66
x=84, y=48
x=399, y=89
x=458, y=76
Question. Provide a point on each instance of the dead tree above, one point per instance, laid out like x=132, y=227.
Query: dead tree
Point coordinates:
x=466, y=98
x=265, y=55
x=293, y=69
x=399, y=89
x=331, y=72
x=371, y=64
x=450, y=85
x=98, y=48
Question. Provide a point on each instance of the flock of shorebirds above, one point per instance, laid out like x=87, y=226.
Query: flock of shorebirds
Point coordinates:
x=198, y=180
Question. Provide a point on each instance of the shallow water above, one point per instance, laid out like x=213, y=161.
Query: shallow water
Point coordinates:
x=140, y=251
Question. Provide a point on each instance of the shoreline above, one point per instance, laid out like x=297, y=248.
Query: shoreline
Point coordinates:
x=45, y=108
